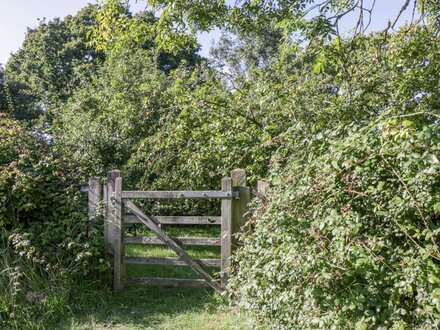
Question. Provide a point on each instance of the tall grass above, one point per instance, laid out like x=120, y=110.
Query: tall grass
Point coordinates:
x=32, y=297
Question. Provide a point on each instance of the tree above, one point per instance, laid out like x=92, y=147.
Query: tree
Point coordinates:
x=124, y=101
x=54, y=60
x=301, y=21
x=119, y=29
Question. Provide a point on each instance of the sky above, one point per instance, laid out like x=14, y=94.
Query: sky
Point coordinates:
x=17, y=15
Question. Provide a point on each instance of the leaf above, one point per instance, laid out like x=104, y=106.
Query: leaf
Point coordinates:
x=407, y=123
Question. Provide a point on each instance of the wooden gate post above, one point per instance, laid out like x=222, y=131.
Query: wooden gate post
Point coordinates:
x=95, y=196
x=240, y=206
x=118, y=251
x=233, y=218
x=226, y=233
x=109, y=209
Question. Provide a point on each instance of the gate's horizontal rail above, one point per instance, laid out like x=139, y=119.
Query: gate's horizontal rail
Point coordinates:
x=168, y=261
x=178, y=220
x=181, y=240
x=163, y=281
x=179, y=194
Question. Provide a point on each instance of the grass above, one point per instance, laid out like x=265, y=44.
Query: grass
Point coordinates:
x=163, y=307
x=65, y=304
x=160, y=308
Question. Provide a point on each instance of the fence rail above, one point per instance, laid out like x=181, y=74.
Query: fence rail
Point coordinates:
x=178, y=220
x=178, y=194
x=182, y=240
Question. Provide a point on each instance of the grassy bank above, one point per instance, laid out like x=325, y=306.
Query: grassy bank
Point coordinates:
x=86, y=307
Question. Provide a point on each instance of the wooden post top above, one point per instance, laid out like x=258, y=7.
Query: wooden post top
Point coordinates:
x=262, y=187
x=112, y=175
x=239, y=178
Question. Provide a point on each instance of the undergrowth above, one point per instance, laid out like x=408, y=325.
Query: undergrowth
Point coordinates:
x=32, y=297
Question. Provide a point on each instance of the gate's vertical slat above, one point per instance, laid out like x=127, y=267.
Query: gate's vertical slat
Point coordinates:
x=110, y=216
x=226, y=228
x=118, y=232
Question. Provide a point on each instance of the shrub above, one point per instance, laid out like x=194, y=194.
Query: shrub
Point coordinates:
x=349, y=236
x=41, y=209
x=32, y=297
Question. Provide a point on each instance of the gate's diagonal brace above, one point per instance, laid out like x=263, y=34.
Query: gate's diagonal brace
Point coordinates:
x=153, y=225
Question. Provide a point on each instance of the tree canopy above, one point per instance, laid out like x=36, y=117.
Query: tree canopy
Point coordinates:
x=54, y=60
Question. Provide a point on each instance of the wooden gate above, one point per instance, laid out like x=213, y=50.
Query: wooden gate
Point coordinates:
x=234, y=196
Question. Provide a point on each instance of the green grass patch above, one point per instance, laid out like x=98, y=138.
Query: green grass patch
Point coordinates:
x=61, y=303
x=176, y=230
x=161, y=308
x=145, y=307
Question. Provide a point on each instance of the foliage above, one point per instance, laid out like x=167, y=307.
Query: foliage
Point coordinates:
x=345, y=129
x=40, y=205
x=3, y=99
x=202, y=137
x=365, y=218
x=34, y=298
x=299, y=21
x=105, y=121
x=118, y=29
x=50, y=253
x=349, y=234
x=54, y=60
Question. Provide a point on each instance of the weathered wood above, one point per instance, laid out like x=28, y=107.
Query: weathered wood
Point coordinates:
x=109, y=218
x=94, y=196
x=239, y=214
x=179, y=240
x=168, y=261
x=226, y=227
x=154, y=225
x=178, y=220
x=105, y=199
x=239, y=206
x=178, y=194
x=118, y=252
x=239, y=178
x=262, y=187
x=164, y=281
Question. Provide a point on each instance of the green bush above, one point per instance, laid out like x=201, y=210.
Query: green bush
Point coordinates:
x=42, y=212
x=49, y=249
x=348, y=237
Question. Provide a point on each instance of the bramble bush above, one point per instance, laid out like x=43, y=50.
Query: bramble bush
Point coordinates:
x=348, y=234
x=348, y=237
x=42, y=209
x=48, y=246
